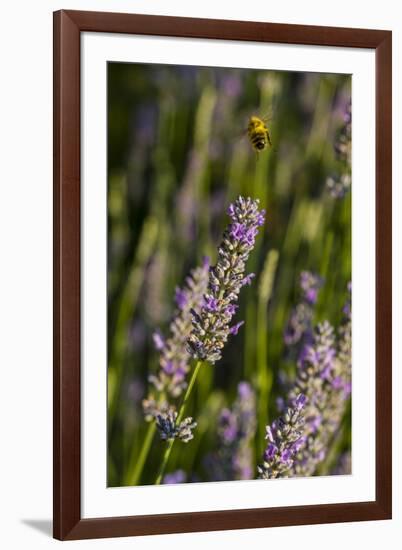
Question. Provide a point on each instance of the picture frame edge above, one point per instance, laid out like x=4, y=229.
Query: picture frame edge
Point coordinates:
x=68, y=525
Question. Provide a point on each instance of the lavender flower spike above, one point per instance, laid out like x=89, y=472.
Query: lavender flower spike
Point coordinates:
x=324, y=377
x=299, y=326
x=285, y=437
x=339, y=184
x=310, y=284
x=236, y=429
x=211, y=326
x=170, y=381
x=170, y=429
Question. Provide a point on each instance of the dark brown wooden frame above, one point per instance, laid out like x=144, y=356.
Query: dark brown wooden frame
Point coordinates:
x=68, y=26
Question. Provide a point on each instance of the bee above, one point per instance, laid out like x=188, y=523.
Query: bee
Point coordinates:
x=258, y=134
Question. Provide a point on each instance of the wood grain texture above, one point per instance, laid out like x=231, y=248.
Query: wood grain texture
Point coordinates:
x=67, y=346
x=384, y=274
x=66, y=498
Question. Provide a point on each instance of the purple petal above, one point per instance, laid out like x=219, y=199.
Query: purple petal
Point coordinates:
x=301, y=400
x=311, y=295
x=244, y=390
x=231, y=309
x=180, y=298
x=210, y=303
x=285, y=455
x=238, y=231
x=159, y=341
x=235, y=328
x=269, y=434
x=247, y=279
x=270, y=451
x=315, y=422
x=261, y=217
x=168, y=367
x=231, y=211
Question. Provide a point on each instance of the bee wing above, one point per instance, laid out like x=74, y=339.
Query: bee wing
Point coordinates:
x=268, y=116
x=240, y=134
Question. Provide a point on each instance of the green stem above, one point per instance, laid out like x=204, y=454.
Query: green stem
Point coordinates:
x=139, y=466
x=178, y=420
x=134, y=478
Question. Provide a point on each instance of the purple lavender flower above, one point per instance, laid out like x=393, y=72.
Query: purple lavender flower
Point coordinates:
x=210, y=303
x=211, y=326
x=159, y=341
x=321, y=389
x=168, y=368
x=248, y=278
x=245, y=391
x=314, y=423
x=310, y=284
x=228, y=426
x=299, y=326
x=236, y=429
x=235, y=328
x=152, y=407
x=343, y=372
x=324, y=378
x=270, y=451
x=339, y=183
x=174, y=357
x=285, y=436
x=238, y=231
x=179, y=476
x=231, y=309
x=169, y=428
x=180, y=298
x=286, y=455
x=300, y=401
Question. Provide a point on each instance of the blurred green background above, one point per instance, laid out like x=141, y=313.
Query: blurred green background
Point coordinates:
x=177, y=156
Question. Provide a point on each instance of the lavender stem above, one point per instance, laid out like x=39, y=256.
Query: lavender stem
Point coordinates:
x=178, y=420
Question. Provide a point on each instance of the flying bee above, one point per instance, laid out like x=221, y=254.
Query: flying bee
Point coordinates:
x=258, y=134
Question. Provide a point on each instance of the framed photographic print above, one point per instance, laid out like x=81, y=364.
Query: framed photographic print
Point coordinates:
x=218, y=185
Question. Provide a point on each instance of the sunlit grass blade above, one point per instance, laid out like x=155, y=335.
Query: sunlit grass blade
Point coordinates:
x=265, y=371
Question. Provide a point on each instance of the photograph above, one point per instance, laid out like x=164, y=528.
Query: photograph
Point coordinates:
x=202, y=238
x=229, y=274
